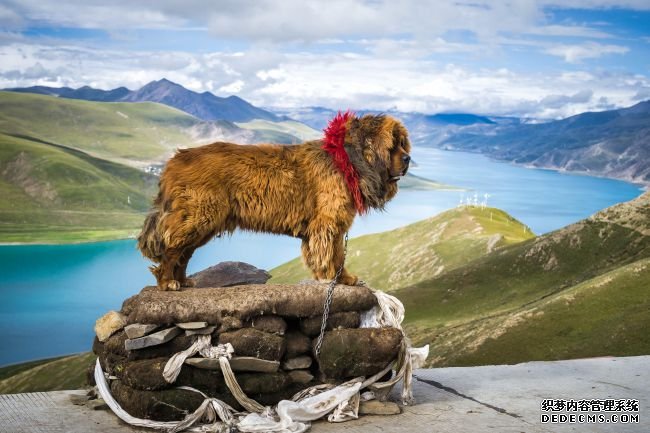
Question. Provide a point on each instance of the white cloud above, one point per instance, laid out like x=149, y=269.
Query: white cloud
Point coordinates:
x=290, y=20
x=589, y=50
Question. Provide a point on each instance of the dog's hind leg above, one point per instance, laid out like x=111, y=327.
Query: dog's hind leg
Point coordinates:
x=165, y=273
x=180, y=273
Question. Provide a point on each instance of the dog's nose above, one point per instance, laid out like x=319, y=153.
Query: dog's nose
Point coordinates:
x=406, y=159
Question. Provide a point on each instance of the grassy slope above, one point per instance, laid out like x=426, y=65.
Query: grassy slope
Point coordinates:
x=51, y=193
x=507, y=306
x=68, y=372
x=407, y=255
x=117, y=131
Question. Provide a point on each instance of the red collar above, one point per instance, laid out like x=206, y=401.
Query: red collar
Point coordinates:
x=333, y=143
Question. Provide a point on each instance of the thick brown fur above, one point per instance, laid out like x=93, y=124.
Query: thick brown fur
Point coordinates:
x=293, y=190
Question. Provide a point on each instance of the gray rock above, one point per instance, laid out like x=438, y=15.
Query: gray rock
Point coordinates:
x=301, y=376
x=298, y=363
x=227, y=274
x=154, y=339
x=203, y=331
x=192, y=325
x=138, y=330
x=376, y=407
x=237, y=363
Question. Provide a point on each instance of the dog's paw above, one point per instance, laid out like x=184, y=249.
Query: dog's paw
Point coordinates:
x=349, y=280
x=170, y=285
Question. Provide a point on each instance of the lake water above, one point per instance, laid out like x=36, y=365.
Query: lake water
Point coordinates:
x=51, y=295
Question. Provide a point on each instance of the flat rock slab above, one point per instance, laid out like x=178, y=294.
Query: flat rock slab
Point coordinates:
x=192, y=325
x=237, y=363
x=230, y=274
x=154, y=339
x=449, y=400
x=216, y=305
x=137, y=330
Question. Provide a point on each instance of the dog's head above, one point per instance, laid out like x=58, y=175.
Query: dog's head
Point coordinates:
x=379, y=148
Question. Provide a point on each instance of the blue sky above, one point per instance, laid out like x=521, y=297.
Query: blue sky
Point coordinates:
x=532, y=58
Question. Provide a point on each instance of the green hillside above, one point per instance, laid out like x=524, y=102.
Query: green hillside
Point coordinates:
x=127, y=132
x=580, y=291
x=68, y=372
x=410, y=254
x=51, y=193
x=117, y=131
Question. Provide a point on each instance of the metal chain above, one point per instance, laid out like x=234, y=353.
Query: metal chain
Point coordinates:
x=328, y=298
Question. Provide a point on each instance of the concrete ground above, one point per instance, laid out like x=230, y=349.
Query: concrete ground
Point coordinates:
x=471, y=399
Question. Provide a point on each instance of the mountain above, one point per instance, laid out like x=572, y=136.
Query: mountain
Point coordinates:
x=613, y=143
x=416, y=252
x=205, y=106
x=581, y=291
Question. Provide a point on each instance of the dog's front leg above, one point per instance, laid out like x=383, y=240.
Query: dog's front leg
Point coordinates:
x=323, y=253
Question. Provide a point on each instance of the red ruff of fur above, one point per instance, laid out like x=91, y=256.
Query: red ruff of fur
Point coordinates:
x=333, y=144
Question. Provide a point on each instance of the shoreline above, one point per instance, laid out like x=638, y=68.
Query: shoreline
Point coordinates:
x=75, y=242
x=644, y=186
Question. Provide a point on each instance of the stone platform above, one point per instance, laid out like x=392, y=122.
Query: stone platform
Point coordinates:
x=458, y=400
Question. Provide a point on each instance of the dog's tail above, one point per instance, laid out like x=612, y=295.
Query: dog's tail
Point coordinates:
x=150, y=240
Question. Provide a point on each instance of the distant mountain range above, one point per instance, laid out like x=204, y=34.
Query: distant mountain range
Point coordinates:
x=613, y=143
x=417, y=123
x=205, y=106
x=609, y=143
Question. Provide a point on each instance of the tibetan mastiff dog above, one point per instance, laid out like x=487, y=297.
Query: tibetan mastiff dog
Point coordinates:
x=311, y=191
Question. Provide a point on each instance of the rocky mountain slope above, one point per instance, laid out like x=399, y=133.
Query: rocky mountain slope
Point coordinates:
x=613, y=143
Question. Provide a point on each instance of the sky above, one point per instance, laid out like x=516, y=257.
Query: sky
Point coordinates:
x=541, y=59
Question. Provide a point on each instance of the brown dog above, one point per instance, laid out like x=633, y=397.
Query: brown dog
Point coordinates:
x=311, y=191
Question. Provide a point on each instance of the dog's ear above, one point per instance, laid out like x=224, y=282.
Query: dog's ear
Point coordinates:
x=371, y=132
x=400, y=137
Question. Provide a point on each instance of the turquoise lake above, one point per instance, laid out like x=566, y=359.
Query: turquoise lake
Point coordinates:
x=51, y=295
